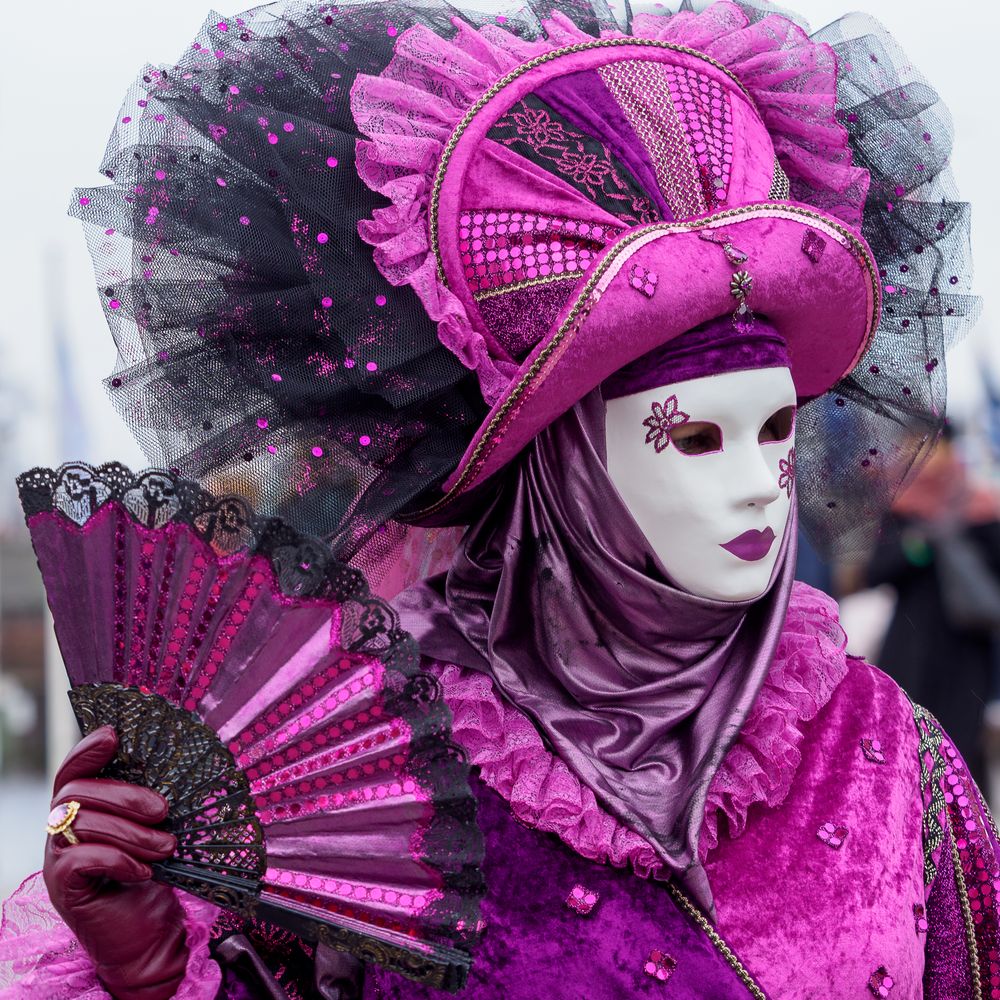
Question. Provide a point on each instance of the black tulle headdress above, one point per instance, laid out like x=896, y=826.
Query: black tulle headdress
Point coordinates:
x=262, y=351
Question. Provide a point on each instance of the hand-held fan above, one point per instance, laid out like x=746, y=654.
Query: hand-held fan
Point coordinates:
x=256, y=684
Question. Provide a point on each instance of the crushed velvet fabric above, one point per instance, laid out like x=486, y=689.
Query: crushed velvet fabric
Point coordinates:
x=535, y=946
x=779, y=885
x=809, y=919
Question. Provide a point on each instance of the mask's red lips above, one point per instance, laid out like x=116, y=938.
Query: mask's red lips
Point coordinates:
x=751, y=545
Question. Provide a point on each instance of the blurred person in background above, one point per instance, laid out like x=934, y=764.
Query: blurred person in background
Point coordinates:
x=940, y=550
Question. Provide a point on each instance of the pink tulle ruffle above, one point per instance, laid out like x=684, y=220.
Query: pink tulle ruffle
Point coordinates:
x=809, y=663
x=544, y=794
x=410, y=111
x=40, y=957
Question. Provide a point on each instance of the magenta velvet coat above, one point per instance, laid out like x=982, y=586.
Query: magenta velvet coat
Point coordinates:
x=849, y=853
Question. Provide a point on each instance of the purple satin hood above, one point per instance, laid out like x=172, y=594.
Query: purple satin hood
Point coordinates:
x=640, y=687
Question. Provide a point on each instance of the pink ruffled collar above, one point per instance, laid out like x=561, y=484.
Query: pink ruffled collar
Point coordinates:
x=543, y=793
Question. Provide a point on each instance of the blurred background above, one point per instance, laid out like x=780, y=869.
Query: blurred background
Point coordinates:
x=59, y=94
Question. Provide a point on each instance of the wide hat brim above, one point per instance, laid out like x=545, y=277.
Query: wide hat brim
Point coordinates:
x=814, y=278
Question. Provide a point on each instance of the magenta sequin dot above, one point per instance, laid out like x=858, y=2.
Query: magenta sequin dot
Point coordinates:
x=318, y=452
x=920, y=918
x=288, y=127
x=813, y=245
x=221, y=181
x=643, y=280
x=372, y=366
x=582, y=899
x=880, y=982
x=832, y=835
x=872, y=749
x=244, y=220
x=275, y=377
x=331, y=161
x=272, y=138
x=364, y=440
x=84, y=201
x=322, y=237
x=114, y=304
x=659, y=965
x=327, y=301
x=262, y=423
x=380, y=300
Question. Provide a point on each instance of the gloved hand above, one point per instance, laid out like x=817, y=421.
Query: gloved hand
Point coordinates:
x=132, y=927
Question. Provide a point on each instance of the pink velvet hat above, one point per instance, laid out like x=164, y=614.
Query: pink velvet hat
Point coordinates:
x=595, y=198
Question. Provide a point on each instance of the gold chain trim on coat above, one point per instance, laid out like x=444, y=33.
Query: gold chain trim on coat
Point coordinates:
x=713, y=935
x=970, y=926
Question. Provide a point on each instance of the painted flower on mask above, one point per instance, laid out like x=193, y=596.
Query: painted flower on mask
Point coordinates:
x=786, y=473
x=665, y=415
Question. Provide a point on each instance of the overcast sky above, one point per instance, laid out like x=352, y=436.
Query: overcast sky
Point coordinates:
x=60, y=87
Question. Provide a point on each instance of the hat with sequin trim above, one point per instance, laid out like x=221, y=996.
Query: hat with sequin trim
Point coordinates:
x=601, y=196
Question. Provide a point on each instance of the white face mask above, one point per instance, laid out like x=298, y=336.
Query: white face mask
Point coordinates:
x=706, y=467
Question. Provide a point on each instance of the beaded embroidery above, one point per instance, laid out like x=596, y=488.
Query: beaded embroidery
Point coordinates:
x=932, y=770
x=872, y=751
x=833, y=835
x=643, y=280
x=502, y=251
x=659, y=965
x=582, y=900
x=880, y=982
x=641, y=89
x=813, y=245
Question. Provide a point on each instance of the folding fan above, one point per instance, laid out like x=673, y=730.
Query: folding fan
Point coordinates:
x=257, y=685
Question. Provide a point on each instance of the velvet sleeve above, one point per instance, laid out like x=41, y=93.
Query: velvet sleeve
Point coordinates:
x=961, y=872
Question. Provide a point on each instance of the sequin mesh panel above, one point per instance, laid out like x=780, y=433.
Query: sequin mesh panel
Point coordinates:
x=535, y=131
x=646, y=95
x=704, y=109
x=506, y=249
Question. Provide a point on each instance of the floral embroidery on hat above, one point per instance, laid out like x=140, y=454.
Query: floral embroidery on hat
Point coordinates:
x=582, y=899
x=665, y=415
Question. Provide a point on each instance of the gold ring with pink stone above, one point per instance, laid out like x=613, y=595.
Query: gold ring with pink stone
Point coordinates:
x=61, y=820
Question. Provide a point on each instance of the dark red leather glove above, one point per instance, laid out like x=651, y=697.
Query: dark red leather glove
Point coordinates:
x=132, y=927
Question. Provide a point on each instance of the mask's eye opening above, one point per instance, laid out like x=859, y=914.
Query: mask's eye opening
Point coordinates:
x=696, y=438
x=778, y=426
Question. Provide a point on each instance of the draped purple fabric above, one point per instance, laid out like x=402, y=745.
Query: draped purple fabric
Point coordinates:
x=713, y=348
x=640, y=687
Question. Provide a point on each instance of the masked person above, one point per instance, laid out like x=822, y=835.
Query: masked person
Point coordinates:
x=638, y=300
